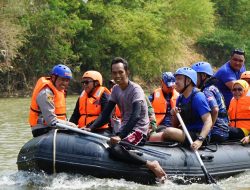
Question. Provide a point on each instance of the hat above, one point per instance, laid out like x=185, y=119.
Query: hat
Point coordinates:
x=168, y=79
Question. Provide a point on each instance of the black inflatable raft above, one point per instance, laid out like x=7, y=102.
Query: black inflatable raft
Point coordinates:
x=70, y=152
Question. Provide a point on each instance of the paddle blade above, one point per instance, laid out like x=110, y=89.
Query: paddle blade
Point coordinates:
x=209, y=179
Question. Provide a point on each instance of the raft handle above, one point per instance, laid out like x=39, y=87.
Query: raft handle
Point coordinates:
x=206, y=157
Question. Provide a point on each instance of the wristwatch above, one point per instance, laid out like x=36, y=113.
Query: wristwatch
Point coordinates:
x=200, y=138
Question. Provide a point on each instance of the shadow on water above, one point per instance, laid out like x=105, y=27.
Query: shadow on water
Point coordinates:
x=15, y=131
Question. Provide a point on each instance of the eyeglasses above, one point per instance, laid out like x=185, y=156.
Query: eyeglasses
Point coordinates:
x=86, y=82
x=237, y=89
x=238, y=60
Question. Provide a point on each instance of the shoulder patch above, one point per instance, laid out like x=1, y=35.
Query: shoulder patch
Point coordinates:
x=50, y=98
x=157, y=94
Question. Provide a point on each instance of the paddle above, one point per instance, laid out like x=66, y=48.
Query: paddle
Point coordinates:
x=208, y=177
x=147, y=150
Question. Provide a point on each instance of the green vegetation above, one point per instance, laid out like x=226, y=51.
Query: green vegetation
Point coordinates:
x=153, y=35
x=231, y=30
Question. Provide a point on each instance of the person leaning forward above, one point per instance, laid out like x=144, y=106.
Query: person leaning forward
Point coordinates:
x=228, y=73
x=48, y=102
x=130, y=99
x=193, y=109
x=91, y=102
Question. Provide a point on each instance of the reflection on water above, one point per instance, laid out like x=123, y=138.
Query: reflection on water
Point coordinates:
x=14, y=132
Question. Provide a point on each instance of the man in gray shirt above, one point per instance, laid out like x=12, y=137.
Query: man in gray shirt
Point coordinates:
x=130, y=99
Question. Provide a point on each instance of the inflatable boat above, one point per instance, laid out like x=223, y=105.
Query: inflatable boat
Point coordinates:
x=70, y=152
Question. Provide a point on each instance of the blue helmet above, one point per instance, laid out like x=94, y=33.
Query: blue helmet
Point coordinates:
x=187, y=72
x=62, y=71
x=168, y=79
x=203, y=67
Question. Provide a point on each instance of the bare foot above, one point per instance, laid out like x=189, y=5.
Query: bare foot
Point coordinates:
x=155, y=167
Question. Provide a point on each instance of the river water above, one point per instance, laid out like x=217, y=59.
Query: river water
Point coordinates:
x=14, y=132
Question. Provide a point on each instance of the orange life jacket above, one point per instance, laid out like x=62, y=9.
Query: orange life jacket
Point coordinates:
x=59, y=101
x=90, y=107
x=160, y=104
x=239, y=112
x=117, y=111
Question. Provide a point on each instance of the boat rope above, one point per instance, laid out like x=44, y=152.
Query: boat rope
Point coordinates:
x=54, y=151
x=208, y=147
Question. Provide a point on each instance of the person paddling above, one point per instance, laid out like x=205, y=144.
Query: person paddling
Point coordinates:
x=48, y=102
x=193, y=109
x=130, y=99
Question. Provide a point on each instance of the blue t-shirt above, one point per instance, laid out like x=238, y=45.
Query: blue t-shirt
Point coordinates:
x=199, y=108
x=224, y=75
x=215, y=99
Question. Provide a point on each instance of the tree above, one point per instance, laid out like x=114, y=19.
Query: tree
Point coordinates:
x=233, y=25
x=51, y=30
x=152, y=35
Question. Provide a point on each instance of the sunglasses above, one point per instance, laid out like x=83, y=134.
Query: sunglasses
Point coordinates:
x=238, y=51
x=237, y=89
x=238, y=60
x=86, y=82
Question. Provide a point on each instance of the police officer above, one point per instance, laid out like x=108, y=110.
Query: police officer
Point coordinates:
x=205, y=82
x=48, y=102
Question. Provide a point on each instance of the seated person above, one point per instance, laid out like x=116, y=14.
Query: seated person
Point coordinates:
x=205, y=82
x=91, y=102
x=164, y=99
x=239, y=112
x=116, y=116
x=48, y=102
x=193, y=109
x=130, y=99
